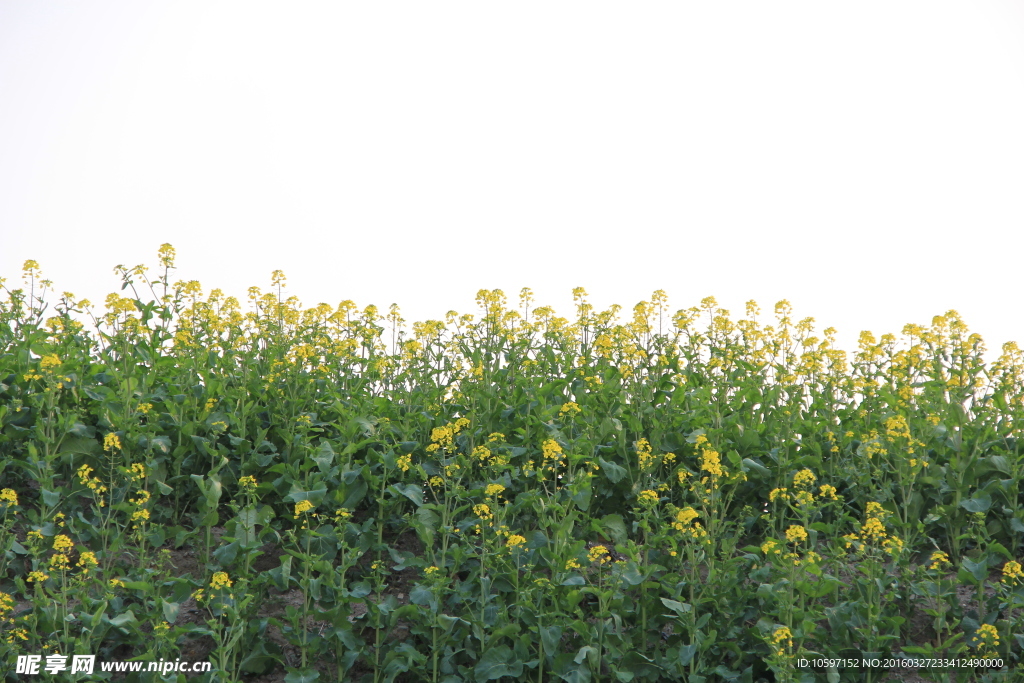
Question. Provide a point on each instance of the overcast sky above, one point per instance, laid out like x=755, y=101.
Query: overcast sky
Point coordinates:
x=864, y=160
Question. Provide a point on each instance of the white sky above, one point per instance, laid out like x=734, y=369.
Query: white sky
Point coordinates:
x=864, y=160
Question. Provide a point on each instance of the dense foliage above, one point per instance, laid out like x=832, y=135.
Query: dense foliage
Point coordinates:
x=513, y=495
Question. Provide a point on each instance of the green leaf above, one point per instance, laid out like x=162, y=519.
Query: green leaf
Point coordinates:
x=582, y=497
x=551, y=638
x=161, y=444
x=170, y=610
x=979, y=502
x=496, y=663
x=574, y=580
x=632, y=574
x=615, y=527
x=686, y=653
x=614, y=472
x=82, y=445
x=979, y=570
x=420, y=595
x=302, y=676
x=679, y=608
x=410, y=491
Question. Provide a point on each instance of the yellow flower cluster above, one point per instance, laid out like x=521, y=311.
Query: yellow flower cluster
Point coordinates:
x=649, y=498
x=570, y=409
x=939, y=561
x=136, y=472
x=554, y=456
x=782, y=638
x=1012, y=572
x=515, y=540
x=8, y=498
x=684, y=523
x=444, y=436
x=404, y=462
x=494, y=490
x=796, y=533
x=111, y=442
x=599, y=554
x=873, y=532
x=87, y=561
x=828, y=492
x=804, y=479
x=644, y=454
x=220, y=581
x=483, y=511
x=710, y=461
x=247, y=484
x=986, y=638
x=302, y=506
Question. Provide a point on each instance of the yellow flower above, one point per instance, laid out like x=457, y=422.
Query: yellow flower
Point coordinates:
x=8, y=497
x=37, y=576
x=685, y=516
x=893, y=545
x=873, y=529
x=796, y=533
x=939, y=560
x=494, y=489
x=220, y=580
x=649, y=498
x=571, y=409
x=599, y=554
x=571, y=564
x=111, y=442
x=404, y=462
x=483, y=511
x=804, y=479
x=60, y=562
x=782, y=638
x=62, y=544
x=87, y=561
x=116, y=583
x=711, y=463
x=771, y=547
x=777, y=494
x=515, y=540
x=50, y=361
x=247, y=484
x=986, y=638
x=431, y=571
x=302, y=506
x=1012, y=572
x=140, y=516
x=804, y=498
x=436, y=481
x=14, y=634
x=828, y=491
x=874, y=510
x=144, y=408
x=551, y=449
